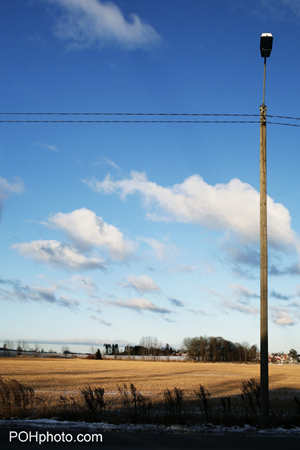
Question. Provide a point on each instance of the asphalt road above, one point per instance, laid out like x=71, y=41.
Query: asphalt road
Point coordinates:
x=139, y=441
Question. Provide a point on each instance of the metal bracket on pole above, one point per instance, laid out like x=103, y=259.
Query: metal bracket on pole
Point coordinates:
x=263, y=114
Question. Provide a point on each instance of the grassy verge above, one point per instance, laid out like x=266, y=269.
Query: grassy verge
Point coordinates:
x=128, y=405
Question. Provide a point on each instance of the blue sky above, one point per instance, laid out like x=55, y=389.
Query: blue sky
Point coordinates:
x=115, y=231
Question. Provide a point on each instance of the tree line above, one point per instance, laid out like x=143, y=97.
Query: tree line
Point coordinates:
x=218, y=349
x=203, y=348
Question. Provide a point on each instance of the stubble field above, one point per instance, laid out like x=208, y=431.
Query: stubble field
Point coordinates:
x=55, y=376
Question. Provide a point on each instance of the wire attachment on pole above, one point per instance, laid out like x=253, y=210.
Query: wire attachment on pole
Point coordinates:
x=263, y=114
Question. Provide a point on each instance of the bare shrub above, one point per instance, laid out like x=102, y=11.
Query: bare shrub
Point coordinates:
x=251, y=395
x=174, y=402
x=15, y=398
x=203, y=396
x=136, y=405
x=226, y=404
x=93, y=399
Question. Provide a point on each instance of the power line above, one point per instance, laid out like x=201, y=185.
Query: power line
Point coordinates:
x=149, y=121
x=131, y=121
x=144, y=121
x=143, y=114
x=125, y=114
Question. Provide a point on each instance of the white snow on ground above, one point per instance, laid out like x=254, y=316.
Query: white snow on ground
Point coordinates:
x=104, y=427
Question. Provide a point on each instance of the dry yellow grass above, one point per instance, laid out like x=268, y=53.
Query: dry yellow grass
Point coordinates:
x=57, y=376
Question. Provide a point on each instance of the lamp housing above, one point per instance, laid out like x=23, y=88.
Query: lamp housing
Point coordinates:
x=266, y=42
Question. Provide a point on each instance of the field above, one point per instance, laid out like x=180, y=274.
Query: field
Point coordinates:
x=57, y=376
x=57, y=383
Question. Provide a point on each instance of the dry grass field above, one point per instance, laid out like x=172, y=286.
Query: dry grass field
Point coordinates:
x=65, y=376
x=122, y=391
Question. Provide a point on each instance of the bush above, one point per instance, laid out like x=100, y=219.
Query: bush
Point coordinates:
x=93, y=399
x=15, y=398
x=203, y=397
x=174, y=402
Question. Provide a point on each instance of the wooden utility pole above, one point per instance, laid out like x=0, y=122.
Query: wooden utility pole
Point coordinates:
x=264, y=369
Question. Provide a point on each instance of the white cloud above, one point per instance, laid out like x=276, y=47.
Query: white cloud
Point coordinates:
x=79, y=282
x=137, y=304
x=242, y=292
x=161, y=250
x=86, y=23
x=48, y=146
x=58, y=254
x=281, y=316
x=106, y=161
x=88, y=230
x=142, y=284
x=8, y=189
x=240, y=307
x=230, y=207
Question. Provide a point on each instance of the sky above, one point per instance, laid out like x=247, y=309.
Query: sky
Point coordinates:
x=115, y=231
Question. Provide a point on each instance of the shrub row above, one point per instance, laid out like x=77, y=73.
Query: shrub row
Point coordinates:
x=131, y=406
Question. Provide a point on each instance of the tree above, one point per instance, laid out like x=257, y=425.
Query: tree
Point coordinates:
x=19, y=348
x=193, y=347
x=25, y=346
x=8, y=346
x=107, y=348
x=65, y=350
x=98, y=354
x=37, y=348
x=115, y=350
x=253, y=353
x=150, y=345
x=293, y=353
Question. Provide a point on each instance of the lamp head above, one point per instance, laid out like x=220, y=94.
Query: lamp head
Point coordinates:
x=266, y=41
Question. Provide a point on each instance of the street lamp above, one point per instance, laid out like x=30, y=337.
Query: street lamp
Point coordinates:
x=266, y=42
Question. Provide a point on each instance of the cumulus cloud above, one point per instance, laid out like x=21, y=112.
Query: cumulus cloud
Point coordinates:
x=230, y=207
x=57, y=254
x=142, y=284
x=18, y=291
x=86, y=23
x=8, y=189
x=90, y=235
x=88, y=230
